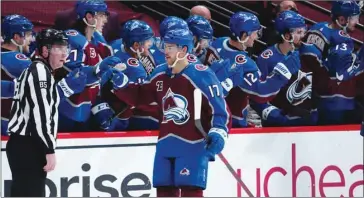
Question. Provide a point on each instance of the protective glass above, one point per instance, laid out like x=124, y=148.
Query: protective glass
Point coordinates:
x=299, y=32
x=60, y=50
x=260, y=33
x=148, y=43
x=29, y=37
x=102, y=14
x=169, y=48
x=353, y=20
x=204, y=43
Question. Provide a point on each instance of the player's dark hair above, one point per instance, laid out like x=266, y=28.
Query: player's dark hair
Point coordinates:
x=232, y=37
x=80, y=25
x=278, y=37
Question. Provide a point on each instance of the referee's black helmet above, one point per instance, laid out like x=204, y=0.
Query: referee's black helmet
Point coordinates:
x=48, y=37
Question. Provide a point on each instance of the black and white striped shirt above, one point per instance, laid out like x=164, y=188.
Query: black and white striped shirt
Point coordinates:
x=34, y=111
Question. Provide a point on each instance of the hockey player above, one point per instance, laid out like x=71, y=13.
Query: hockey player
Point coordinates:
x=138, y=37
x=169, y=23
x=336, y=103
x=244, y=75
x=85, y=54
x=17, y=32
x=324, y=35
x=202, y=35
x=182, y=155
x=293, y=105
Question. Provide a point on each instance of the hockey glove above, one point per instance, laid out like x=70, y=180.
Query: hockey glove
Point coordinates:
x=103, y=115
x=221, y=68
x=105, y=64
x=119, y=79
x=362, y=129
x=289, y=66
x=73, y=83
x=215, y=141
x=116, y=77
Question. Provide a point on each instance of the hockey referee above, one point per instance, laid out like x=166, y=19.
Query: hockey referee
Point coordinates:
x=33, y=119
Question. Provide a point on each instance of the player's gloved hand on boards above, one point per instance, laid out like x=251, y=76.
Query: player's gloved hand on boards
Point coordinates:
x=116, y=77
x=221, y=68
x=73, y=83
x=103, y=115
x=362, y=129
x=289, y=66
x=215, y=141
x=106, y=64
x=119, y=79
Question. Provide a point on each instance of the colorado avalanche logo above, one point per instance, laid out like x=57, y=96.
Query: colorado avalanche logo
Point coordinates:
x=133, y=62
x=21, y=57
x=201, y=67
x=175, y=108
x=240, y=59
x=267, y=53
x=191, y=58
x=343, y=34
x=71, y=33
x=301, y=89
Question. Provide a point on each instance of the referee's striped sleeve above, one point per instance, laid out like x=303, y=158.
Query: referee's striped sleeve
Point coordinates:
x=41, y=86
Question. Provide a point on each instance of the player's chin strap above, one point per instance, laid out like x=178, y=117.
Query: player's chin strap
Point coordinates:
x=139, y=53
x=291, y=41
x=93, y=26
x=20, y=47
x=178, y=59
x=341, y=26
x=243, y=42
x=197, y=46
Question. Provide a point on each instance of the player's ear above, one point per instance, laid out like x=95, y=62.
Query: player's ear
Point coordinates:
x=45, y=52
x=342, y=20
x=17, y=37
x=136, y=45
x=287, y=36
x=243, y=36
x=89, y=18
x=185, y=49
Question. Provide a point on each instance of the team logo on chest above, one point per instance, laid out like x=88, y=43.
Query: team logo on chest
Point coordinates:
x=300, y=89
x=175, y=108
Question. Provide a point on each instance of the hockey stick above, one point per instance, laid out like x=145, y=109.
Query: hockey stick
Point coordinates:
x=197, y=95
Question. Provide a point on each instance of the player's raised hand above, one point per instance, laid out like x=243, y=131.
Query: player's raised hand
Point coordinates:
x=221, y=68
x=215, y=140
x=106, y=64
x=289, y=66
x=119, y=79
x=73, y=83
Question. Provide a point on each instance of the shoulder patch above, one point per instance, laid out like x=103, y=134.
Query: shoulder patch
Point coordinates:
x=267, y=53
x=344, y=34
x=21, y=57
x=201, y=67
x=191, y=58
x=133, y=62
x=71, y=33
x=240, y=59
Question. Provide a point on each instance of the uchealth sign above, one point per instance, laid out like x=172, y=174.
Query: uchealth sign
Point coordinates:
x=314, y=162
